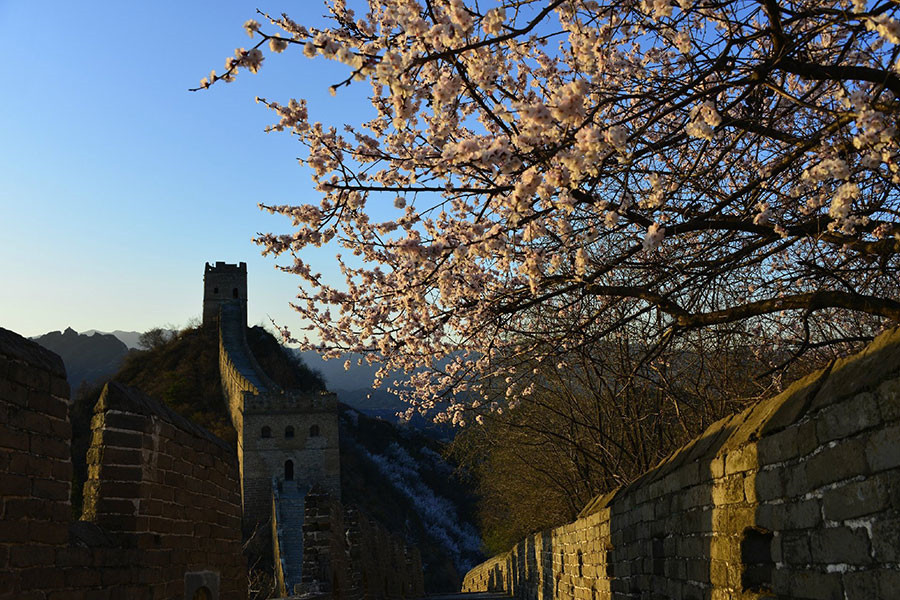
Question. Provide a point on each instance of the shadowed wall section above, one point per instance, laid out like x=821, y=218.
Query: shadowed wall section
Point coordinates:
x=347, y=556
x=162, y=502
x=795, y=497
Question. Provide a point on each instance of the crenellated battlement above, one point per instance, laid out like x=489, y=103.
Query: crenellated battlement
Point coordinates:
x=281, y=401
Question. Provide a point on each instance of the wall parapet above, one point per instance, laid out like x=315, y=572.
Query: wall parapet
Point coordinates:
x=797, y=496
x=162, y=506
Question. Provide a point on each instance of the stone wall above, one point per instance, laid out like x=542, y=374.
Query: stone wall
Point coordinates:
x=796, y=497
x=314, y=459
x=347, y=556
x=256, y=403
x=162, y=506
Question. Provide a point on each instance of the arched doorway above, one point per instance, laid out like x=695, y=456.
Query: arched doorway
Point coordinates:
x=288, y=470
x=202, y=593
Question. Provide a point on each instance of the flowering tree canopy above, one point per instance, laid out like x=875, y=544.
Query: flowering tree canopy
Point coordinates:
x=562, y=170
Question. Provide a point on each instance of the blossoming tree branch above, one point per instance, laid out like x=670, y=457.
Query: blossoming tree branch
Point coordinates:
x=564, y=170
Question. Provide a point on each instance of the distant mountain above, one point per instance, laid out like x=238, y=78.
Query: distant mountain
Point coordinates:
x=354, y=387
x=129, y=338
x=88, y=358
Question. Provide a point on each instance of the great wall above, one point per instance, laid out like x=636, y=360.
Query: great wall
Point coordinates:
x=796, y=497
x=167, y=505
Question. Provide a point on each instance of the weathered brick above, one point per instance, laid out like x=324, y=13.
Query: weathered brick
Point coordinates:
x=25, y=556
x=741, y=459
x=844, y=460
x=814, y=585
x=841, y=545
x=888, y=583
x=883, y=449
x=49, y=489
x=82, y=577
x=48, y=446
x=44, y=403
x=120, y=439
x=861, y=585
x=769, y=484
x=847, y=418
x=728, y=490
x=795, y=548
x=889, y=399
x=15, y=439
x=44, y=532
x=15, y=485
x=855, y=499
x=778, y=447
x=885, y=536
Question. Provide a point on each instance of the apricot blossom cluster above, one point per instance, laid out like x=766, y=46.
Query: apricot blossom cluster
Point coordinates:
x=547, y=164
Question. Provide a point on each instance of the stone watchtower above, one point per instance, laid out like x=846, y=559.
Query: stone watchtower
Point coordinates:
x=224, y=283
x=287, y=439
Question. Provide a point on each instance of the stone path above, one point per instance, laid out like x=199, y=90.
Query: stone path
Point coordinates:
x=290, y=505
x=233, y=338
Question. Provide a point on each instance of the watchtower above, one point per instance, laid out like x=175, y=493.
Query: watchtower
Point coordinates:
x=224, y=283
x=285, y=438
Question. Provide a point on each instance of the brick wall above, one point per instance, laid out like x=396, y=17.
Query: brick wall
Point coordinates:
x=162, y=503
x=347, y=556
x=797, y=497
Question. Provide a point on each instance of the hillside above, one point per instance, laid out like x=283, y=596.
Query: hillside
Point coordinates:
x=395, y=475
x=399, y=476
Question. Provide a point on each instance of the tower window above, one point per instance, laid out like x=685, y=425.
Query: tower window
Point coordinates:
x=266, y=432
x=288, y=470
x=215, y=290
x=289, y=431
x=234, y=293
x=314, y=431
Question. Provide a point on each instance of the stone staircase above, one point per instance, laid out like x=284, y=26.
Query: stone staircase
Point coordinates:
x=290, y=504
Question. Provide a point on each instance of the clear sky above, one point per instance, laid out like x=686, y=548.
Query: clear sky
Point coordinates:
x=117, y=184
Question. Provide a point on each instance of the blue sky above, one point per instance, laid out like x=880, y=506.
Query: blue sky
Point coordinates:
x=117, y=184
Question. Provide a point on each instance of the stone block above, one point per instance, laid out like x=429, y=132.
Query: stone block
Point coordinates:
x=888, y=583
x=769, y=484
x=861, y=585
x=855, y=499
x=49, y=489
x=883, y=449
x=741, y=459
x=44, y=403
x=795, y=548
x=796, y=481
x=771, y=516
x=842, y=461
x=729, y=490
x=815, y=585
x=803, y=514
x=886, y=540
x=847, y=418
x=778, y=447
x=840, y=545
x=853, y=374
x=889, y=399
